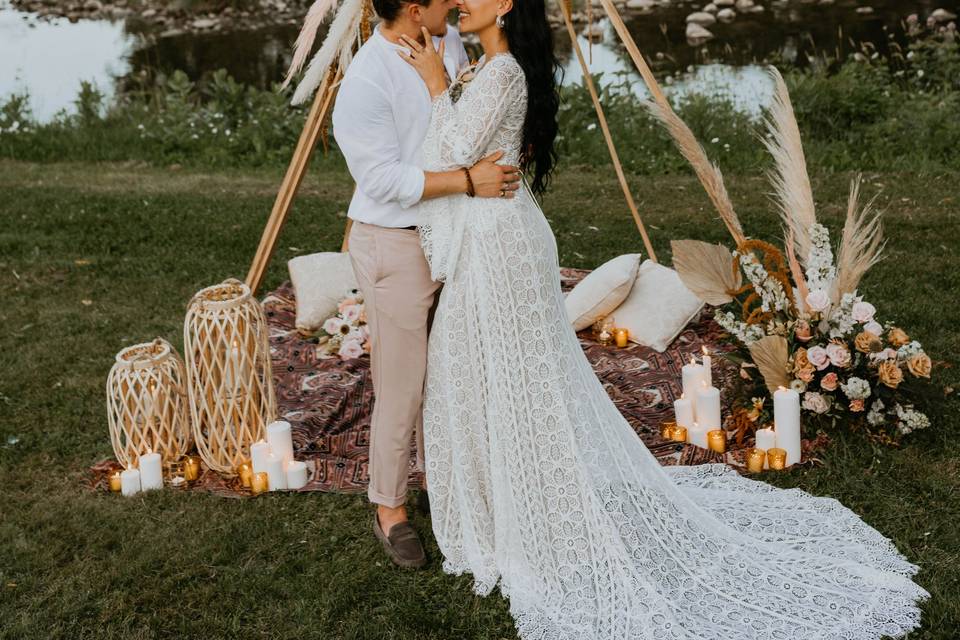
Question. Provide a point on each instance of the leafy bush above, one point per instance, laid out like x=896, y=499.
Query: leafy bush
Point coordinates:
x=870, y=113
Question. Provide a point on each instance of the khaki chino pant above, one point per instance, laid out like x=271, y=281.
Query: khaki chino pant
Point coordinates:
x=398, y=294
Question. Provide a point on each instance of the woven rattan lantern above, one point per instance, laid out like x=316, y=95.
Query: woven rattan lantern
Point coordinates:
x=147, y=403
x=228, y=373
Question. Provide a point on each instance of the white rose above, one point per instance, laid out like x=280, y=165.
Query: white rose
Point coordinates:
x=351, y=349
x=332, y=326
x=873, y=327
x=818, y=300
x=863, y=311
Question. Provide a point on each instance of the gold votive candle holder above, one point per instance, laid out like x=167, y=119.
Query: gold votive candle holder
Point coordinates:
x=680, y=434
x=115, y=484
x=777, y=458
x=717, y=440
x=621, y=336
x=245, y=472
x=666, y=429
x=260, y=483
x=755, y=460
x=191, y=468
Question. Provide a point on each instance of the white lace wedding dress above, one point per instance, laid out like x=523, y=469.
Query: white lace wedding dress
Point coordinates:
x=539, y=484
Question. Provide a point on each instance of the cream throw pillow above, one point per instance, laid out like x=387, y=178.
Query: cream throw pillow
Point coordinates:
x=658, y=308
x=320, y=281
x=601, y=291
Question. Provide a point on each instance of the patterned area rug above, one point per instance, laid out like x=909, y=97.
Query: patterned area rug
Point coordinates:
x=328, y=400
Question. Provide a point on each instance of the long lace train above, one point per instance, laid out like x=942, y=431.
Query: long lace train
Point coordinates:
x=540, y=486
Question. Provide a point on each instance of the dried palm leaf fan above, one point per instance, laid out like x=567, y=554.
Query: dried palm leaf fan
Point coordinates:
x=229, y=375
x=147, y=403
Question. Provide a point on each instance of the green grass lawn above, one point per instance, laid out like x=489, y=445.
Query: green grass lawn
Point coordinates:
x=95, y=258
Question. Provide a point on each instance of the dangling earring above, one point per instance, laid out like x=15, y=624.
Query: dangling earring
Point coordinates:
x=499, y=21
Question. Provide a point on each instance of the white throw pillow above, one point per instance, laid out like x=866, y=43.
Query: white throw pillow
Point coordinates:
x=658, y=308
x=602, y=290
x=320, y=281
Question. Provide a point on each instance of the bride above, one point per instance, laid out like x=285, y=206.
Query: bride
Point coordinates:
x=537, y=483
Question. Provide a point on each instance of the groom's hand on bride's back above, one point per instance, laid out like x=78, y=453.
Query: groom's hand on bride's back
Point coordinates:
x=492, y=180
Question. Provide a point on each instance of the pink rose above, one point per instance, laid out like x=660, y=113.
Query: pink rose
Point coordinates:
x=802, y=331
x=350, y=349
x=816, y=402
x=829, y=382
x=351, y=313
x=818, y=357
x=805, y=374
x=856, y=405
x=839, y=355
x=863, y=311
x=346, y=302
x=818, y=300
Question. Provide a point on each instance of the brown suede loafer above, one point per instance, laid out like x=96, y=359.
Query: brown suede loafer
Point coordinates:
x=402, y=545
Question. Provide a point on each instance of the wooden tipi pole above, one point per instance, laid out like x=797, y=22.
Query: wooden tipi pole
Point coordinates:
x=614, y=156
x=291, y=181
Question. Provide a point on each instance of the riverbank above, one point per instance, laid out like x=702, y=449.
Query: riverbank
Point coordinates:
x=871, y=113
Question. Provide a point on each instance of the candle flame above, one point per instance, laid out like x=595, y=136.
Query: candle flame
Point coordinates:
x=706, y=351
x=692, y=359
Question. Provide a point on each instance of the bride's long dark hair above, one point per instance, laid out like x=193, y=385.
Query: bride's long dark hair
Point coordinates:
x=530, y=39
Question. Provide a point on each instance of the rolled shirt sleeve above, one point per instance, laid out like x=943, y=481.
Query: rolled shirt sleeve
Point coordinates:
x=366, y=132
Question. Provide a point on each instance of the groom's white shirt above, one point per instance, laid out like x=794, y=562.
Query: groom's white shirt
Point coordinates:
x=379, y=121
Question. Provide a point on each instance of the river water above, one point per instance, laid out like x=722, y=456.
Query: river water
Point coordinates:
x=49, y=58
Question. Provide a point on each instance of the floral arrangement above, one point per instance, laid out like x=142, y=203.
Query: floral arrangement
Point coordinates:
x=346, y=333
x=796, y=316
x=844, y=362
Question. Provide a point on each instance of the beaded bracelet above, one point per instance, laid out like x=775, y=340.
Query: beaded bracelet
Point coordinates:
x=470, y=190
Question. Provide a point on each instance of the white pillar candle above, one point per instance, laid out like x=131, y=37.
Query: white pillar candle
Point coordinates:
x=707, y=406
x=275, y=473
x=697, y=434
x=259, y=451
x=707, y=367
x=151, y=471
x=280, y=440
x=692, y=375
x=296, y=474
x=234, y=372
x=683, y=411
x=766, y=439
x=786, y=419
x=130, y=482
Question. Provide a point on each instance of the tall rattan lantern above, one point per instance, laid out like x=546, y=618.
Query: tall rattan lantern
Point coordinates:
x=228, y=373
x=147, y=403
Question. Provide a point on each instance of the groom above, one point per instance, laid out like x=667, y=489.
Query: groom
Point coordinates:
x=380, y=118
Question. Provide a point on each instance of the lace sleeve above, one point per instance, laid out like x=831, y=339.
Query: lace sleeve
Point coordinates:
x=460, y=132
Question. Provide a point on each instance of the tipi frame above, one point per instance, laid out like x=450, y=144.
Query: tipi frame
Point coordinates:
x=313, y=129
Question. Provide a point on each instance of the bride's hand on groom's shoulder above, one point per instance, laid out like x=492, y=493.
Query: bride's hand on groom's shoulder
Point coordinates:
x=427, y=60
